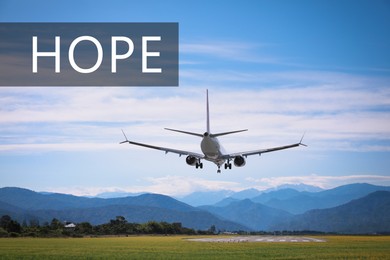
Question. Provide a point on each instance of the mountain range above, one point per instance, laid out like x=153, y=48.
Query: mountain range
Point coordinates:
x=26, y=205
x=354, y=208
x=210, y=197
x=369, y=214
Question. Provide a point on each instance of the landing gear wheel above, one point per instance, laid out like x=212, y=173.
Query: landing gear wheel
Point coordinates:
x=199, y=165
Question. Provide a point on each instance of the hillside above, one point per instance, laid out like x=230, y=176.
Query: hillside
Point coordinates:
x=26, y=205
x=297, y=202
x=347, y=209
x=205, y=198
x=246, y=212
x=139, y=214
x=30, y=200
x=201, y=198
x=369, y=214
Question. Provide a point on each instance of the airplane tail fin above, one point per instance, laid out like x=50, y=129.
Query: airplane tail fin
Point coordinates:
x=208, y=111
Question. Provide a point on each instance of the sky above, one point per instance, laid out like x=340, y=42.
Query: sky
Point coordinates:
x=277, y=68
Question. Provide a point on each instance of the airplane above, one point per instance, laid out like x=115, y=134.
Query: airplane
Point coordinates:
x=211, y=148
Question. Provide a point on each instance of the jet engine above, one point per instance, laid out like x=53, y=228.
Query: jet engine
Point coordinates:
x=239, y=161
x=191, y=160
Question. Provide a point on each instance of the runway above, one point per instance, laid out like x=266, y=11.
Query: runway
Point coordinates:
x=266, y=239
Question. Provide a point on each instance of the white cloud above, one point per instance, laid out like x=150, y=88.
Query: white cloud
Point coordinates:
x=183, y=185
x=167, y=185
x=337, y=111
x=228, y=50
x=29, y=148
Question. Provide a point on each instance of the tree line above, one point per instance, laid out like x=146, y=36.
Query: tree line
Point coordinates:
x=117, y=226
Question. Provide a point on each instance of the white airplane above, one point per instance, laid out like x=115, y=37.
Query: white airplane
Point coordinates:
x=211, y=148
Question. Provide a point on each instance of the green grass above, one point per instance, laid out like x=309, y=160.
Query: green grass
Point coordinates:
x=177, y=247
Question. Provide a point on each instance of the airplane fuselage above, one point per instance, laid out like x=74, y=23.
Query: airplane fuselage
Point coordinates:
x=212, y=149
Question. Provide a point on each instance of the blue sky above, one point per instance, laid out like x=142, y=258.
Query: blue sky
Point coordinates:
x=278, y=68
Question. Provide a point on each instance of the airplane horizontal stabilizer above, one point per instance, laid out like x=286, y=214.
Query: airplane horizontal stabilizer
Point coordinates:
x=184, y=132
x=228, y=133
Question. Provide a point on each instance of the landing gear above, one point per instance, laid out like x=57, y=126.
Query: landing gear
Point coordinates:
x=199, y=165
x=228, y=165
x=219, y=169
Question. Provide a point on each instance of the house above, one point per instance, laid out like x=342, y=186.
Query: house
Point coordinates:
x=70, y=225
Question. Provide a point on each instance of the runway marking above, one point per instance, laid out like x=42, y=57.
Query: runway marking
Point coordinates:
x=263, y=239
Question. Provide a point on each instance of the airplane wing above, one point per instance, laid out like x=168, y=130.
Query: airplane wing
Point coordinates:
x=260, y=151
x=166, y=150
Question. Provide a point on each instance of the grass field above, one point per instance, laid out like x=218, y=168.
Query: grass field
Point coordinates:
x=177, y=247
